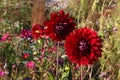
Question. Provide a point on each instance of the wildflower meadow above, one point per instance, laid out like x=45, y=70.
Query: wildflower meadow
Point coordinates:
x=59, y=39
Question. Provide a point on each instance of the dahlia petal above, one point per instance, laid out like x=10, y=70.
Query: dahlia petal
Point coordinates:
x=58, y=19
x=97, y=44
x=52, y=16
x=70, y=19
x=95, y=48
x=66, y=16
x=61, y=12
x=98, y=53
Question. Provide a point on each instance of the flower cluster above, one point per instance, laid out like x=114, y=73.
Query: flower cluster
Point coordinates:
x=82, y=46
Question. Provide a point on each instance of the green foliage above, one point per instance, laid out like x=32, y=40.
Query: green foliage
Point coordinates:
x=103, y=16
x=15, y=15
x=50, y=76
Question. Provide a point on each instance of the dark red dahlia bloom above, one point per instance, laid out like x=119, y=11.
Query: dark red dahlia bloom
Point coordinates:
x=59, y=26
x=83, y=46
x=37, y=31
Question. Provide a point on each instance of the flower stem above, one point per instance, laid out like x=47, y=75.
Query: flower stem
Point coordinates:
x=90, y=75
x=86, y=72
x=57, y=61
x=81, y=74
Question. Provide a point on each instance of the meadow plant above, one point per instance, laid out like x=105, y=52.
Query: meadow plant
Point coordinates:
x=58, y=40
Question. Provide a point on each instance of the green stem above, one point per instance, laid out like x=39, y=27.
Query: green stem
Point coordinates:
x=86, y=72
x=57, y=61
x=90, y=75
x=79, y=13
x=81, y=72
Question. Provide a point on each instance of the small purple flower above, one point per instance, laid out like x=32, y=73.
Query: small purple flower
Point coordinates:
x=27, y=78
x=2, y=73
x=60, y=61
x=25, y=33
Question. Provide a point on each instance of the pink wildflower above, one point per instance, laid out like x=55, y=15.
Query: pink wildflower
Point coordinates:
x=2, y=73
x=30, y=65
x=5, y=37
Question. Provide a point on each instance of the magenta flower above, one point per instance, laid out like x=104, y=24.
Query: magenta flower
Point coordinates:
x=25, y=33
x=30, y=65
x=5, y=37
x=2, y=73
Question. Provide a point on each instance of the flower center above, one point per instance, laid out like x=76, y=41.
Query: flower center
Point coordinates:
x=37, y=31
x=60, y=28
x=84, y=47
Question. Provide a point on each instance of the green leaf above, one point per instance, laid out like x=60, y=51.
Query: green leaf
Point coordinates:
x=65, y=74
x=50, y=76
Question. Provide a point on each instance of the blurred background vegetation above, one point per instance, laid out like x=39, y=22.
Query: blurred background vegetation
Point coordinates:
x=101, y=15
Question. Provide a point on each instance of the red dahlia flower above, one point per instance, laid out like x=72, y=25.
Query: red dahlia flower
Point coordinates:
x=37, y=31
x=83, y=47
x=59, y=26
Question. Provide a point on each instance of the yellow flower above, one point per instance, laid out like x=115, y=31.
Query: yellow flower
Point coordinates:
x=34, y=53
